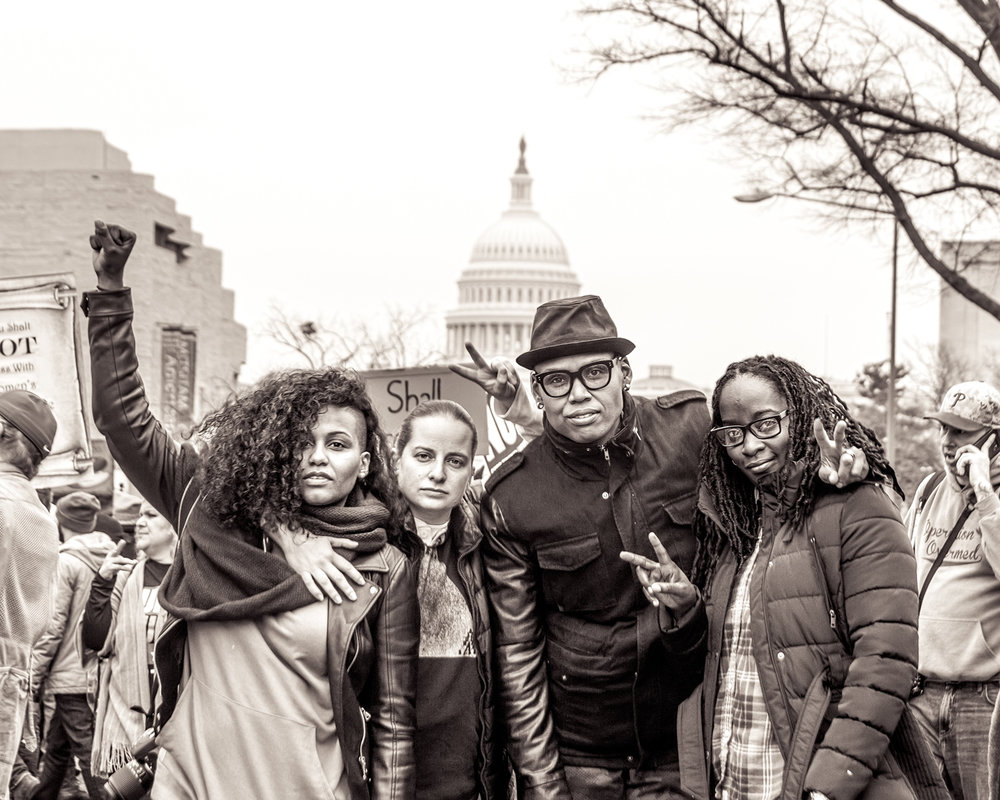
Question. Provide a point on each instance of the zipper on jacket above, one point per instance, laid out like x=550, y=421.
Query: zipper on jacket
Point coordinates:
x=821, y=575
x=767, y=623
x=365, y=716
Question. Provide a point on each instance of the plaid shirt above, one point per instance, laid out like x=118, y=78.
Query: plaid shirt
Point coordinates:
x=745, y=756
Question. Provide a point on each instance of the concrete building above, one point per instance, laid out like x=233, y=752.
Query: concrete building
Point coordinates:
x=53, y=185
x=517, y=263
x=970, y=335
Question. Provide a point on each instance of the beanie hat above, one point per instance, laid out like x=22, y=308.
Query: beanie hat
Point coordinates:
x=32, y=416
x=77, y=512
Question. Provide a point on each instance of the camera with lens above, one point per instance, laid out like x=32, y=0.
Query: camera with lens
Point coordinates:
x=133, y=780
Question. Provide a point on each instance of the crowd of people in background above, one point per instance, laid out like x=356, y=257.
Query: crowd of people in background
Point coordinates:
x=673, y=598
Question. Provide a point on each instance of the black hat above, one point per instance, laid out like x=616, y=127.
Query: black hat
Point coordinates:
x=572, y=325
x=32, y=416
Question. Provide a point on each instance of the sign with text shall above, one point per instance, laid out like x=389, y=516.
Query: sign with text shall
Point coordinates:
x=396, y=392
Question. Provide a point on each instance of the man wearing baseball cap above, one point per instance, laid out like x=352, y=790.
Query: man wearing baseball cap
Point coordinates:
x=29, y=549
x=954, y=525
x=58, y=661
x=590, y=674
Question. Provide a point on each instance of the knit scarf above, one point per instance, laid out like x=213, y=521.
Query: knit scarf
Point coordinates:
x=123, y=692
x=218, y=575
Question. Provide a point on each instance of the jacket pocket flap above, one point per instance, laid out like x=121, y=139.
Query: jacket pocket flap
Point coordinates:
x=569, y=554
x=681, y=509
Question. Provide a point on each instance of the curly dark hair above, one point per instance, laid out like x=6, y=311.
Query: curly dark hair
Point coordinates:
x=255, y=441
x=807, y=397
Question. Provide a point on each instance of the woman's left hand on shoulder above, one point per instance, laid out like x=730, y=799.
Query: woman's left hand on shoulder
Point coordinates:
x=325, y=572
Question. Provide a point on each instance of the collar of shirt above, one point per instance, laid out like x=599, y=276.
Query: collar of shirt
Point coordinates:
x=431, y=535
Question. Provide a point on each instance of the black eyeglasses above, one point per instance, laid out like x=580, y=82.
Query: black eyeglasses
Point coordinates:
x=763, y=428
x=559, y=382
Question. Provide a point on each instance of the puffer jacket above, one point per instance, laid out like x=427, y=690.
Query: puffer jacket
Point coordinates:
x=58, y=658
x=584, y=675
x=371, y=643
x=833, y=711
x=463, y=530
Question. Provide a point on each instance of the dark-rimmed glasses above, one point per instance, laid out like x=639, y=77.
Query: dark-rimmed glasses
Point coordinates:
x=763, y=428
x=559, y=382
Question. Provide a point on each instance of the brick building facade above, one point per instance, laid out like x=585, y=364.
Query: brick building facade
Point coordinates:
x=53, y=185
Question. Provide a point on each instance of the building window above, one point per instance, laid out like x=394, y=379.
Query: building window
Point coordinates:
x=163, y=237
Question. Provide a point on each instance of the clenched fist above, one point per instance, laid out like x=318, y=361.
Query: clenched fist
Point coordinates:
x=112, y=245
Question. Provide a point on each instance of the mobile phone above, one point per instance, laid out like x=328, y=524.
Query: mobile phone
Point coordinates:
x=994, y=450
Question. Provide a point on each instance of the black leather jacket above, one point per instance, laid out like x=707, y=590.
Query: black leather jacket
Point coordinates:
x=366, y=680
x=585, y=675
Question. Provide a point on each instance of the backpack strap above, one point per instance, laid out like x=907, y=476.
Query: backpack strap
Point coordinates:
x=929, y=487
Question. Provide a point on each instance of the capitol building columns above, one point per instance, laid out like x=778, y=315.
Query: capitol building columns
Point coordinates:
x=516, y=264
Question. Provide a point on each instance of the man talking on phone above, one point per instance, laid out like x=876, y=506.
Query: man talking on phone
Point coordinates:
x=954, y=526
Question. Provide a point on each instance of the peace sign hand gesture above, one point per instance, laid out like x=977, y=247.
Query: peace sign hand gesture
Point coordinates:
x=840, y=464
x=663, y=582
x=498, y=378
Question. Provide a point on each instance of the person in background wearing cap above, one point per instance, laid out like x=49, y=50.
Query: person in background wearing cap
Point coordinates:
x=959, y=622
x=58, y=661
x=588, y=687
x=29, y=550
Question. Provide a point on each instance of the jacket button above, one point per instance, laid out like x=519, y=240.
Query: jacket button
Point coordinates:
x=781, y=656
x=605, y=495
x=372, y=589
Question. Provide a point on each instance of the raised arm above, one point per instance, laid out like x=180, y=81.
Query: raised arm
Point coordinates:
x=499, y=379
x=158, y=467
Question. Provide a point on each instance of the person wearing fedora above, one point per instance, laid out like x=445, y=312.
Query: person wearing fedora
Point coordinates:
x=954, y=527
x=58, y=662
x=29, y=550
x=589, y=682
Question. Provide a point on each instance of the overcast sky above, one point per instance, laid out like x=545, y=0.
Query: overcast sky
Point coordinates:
x=346, y=156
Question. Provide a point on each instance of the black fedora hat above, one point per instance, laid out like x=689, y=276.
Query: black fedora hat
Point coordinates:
x=570, y=326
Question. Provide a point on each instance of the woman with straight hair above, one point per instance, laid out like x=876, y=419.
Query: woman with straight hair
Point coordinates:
x=459, y=747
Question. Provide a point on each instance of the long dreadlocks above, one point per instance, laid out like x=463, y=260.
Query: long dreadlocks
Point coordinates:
x=807, y=397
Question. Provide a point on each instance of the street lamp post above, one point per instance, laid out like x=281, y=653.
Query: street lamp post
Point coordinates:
x=890, y=404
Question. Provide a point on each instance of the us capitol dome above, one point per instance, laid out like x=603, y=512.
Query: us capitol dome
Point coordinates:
x=516, y=264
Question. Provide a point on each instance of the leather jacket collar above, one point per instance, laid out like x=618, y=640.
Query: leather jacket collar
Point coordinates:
x=627, y=439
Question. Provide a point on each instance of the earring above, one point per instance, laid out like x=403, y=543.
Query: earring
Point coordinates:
x=541, y=405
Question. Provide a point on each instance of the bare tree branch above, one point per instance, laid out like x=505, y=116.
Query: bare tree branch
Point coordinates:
x=384, y=343
x=837, y=102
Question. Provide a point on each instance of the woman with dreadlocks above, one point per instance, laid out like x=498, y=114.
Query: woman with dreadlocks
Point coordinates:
x=266, y=692
x=809, y=594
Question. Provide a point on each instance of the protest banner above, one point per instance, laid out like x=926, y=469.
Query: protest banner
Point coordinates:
x=396, y=392
x=40, y=352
